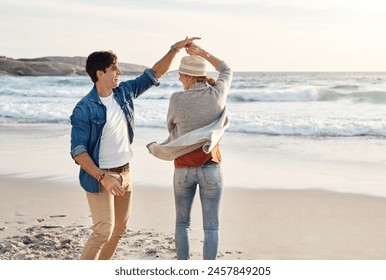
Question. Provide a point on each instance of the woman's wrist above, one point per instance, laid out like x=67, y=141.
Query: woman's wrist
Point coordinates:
x=204, y=54
x=207, y=55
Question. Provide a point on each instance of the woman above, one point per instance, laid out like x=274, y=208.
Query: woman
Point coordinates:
x=196, y=121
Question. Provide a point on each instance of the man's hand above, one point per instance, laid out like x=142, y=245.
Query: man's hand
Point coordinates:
x=112, y=185
x=185, y=43
x=162, y=66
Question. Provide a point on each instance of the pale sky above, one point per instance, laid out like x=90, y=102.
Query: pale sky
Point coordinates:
x=251, y=35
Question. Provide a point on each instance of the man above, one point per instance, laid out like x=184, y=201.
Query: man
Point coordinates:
x=102, y=131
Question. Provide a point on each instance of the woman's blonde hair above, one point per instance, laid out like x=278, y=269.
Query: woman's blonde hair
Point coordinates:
x=210, y=81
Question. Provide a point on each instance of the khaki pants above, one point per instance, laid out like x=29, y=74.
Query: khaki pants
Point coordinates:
x=110, y=215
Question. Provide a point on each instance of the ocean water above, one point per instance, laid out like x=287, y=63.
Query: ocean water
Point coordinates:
x=296, y=104
x=329, y=129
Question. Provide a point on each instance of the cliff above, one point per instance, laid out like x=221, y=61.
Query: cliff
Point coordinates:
x=55, y=66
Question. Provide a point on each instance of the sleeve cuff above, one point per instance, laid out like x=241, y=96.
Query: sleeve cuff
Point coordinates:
x=77, y=150
x=222, y=66
x=152, y=76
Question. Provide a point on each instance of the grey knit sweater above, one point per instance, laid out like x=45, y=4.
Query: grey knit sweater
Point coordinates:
x=198, y=106
x=196, y=117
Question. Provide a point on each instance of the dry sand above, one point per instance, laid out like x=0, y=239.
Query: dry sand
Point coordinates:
x=44, y=212
x=47, y=220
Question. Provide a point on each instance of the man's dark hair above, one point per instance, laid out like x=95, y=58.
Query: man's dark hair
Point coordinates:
x=99, y=61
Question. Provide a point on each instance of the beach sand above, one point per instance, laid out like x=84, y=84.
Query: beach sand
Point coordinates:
x=44, y=212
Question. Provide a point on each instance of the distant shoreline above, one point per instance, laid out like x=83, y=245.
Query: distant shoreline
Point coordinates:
x=75, y=66
x=55, y=66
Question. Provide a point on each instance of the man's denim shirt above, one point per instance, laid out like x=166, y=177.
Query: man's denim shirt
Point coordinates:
x=89, y=117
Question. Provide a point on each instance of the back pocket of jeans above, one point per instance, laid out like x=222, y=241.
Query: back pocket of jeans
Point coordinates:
x=180, y=176
x=212, y=175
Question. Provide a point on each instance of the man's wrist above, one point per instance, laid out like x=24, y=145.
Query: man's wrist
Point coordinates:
x=174, y=49
x=101, y=176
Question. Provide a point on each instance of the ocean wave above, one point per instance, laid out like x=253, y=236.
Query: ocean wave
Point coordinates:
x=345, y=87
x=358, y=96
x=299, y=94
x=37, y=110
x=310, y=128
x=310, y=104
x=275, y=127
x=307, y=94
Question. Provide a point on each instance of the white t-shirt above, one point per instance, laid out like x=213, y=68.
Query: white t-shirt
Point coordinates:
x=115, y=149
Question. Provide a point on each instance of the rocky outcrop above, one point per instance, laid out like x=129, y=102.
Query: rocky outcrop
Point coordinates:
x=55, y=66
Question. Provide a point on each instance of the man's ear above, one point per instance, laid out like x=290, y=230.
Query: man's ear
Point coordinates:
x=99, y=73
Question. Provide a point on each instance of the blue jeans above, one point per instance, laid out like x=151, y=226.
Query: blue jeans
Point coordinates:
x=209, y=179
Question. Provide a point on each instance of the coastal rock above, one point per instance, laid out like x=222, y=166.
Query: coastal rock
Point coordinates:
x=54, y=66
